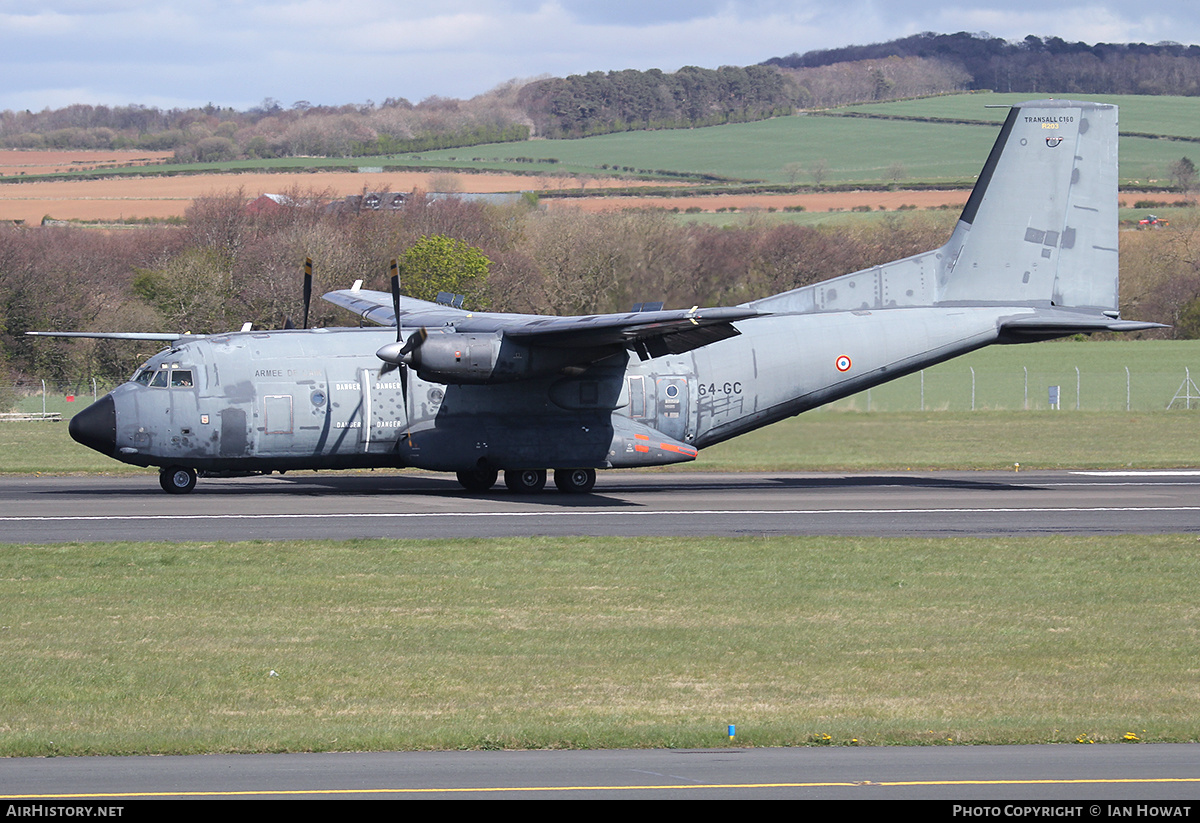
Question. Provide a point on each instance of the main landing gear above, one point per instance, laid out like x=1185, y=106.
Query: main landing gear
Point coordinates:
x=529, y=481
x=181, y=480
x=575, y=481
x=525, y=481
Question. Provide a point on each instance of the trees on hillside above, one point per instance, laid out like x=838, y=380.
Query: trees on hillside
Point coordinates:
x=600, y=102
x=1035, y=65
x=228, y=266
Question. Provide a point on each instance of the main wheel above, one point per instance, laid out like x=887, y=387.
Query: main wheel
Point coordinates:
x=478, y=480
x=575, y=481
x=177, y=479
x=525, y=481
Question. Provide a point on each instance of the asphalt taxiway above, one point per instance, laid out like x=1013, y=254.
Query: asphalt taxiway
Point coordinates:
x=342, y=506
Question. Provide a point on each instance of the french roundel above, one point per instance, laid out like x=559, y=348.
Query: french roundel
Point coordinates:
x=842, y=363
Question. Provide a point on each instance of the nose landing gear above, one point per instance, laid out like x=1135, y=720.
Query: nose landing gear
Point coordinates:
x=177, y=479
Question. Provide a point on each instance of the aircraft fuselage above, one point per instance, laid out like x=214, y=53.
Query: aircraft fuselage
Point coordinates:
x=284, y=400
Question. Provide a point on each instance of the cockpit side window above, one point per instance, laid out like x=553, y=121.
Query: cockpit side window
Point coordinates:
x=168, y=374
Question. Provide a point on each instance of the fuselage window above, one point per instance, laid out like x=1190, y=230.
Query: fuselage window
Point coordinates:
x=181, y=378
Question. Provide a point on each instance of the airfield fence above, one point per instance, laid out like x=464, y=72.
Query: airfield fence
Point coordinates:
x=46, y=400
x=950, y=386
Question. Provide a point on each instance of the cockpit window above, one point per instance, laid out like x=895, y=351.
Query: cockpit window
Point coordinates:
x=167, y=375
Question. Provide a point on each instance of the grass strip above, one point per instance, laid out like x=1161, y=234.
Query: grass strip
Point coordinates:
x=582, y=642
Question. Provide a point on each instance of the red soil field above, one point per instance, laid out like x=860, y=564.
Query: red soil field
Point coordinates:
x=120, y=198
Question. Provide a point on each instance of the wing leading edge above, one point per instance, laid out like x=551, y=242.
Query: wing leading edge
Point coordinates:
x=650, y=333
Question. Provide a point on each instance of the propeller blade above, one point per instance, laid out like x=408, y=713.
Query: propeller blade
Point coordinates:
x=307, y=288
x=398, y=353
x=396, y=295
x=414, y=341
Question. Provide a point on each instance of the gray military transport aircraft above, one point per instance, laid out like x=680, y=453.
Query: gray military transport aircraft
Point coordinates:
x=1032, y=257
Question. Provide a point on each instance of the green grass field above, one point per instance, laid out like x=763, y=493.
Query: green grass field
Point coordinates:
x=578, y=642
x=1143, y=114
x=857, y=151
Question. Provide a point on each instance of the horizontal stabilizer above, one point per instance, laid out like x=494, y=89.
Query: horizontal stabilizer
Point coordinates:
x=1048, y=324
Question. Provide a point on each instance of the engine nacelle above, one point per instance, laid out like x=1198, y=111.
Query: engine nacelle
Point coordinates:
x=458, y=358
x=468, y=358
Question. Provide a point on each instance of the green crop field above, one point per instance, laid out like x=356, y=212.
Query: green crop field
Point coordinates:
x=856, y=149
x=1141, y=114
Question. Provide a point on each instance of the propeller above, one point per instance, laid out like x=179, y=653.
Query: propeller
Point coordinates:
x=307, y=288
x=287, y=321
x=397, y=353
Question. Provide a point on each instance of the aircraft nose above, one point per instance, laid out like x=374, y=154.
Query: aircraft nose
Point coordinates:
x=96, y=426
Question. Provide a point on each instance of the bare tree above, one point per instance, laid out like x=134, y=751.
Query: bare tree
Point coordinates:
x=1183, y=175
x=819, y=171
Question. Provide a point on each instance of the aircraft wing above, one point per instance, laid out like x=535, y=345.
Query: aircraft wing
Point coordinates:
x=652, y=333
x=165, y=337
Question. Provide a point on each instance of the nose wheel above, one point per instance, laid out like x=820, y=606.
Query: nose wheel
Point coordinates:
x=177, y=479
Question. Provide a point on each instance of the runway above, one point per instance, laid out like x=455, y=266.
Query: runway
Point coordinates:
x=1009, y=776
x=341, y=506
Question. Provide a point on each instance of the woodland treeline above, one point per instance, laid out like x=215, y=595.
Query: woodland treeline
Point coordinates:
x=1035, y=64
x=215, y=134
x=226, y=267
x=601, y=102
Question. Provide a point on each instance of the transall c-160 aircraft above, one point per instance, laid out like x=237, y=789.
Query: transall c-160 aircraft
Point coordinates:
x=1032, y=257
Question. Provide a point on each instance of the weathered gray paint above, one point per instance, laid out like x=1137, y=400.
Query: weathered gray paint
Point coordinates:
x=1032, y=257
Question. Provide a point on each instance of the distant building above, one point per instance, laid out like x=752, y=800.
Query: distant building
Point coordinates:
x=376, y=201
x=270, y=204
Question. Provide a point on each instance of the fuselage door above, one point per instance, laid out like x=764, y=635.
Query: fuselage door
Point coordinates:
x=674, y=410
x=384, y=415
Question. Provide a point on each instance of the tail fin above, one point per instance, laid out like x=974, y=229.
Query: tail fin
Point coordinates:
x=1041, y=224
x=1039, y=230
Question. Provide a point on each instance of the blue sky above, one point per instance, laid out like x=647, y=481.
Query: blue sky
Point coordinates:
x=170, y=53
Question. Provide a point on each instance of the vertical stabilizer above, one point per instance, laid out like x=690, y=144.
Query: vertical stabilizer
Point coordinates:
x=1039, y=230
x=1041, y=224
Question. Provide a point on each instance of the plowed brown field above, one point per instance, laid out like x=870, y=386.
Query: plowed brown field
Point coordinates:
x=119, y=198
